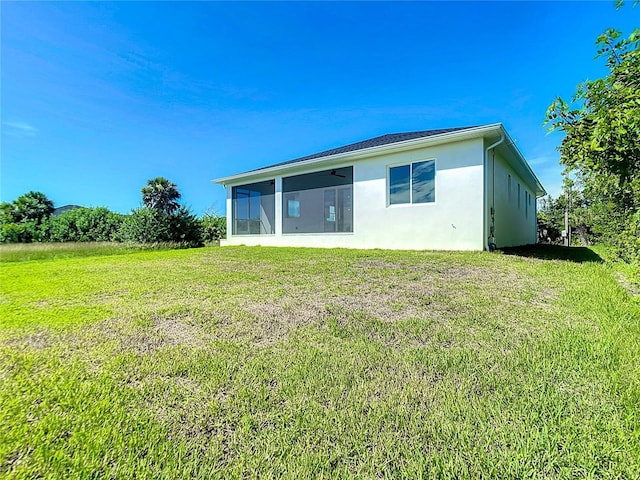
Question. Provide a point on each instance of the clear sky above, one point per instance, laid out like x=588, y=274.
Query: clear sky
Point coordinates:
x=97, y=98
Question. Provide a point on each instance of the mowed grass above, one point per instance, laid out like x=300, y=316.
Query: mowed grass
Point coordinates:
x=305, y=363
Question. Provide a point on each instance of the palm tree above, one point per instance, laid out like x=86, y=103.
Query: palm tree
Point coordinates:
x=161, y=194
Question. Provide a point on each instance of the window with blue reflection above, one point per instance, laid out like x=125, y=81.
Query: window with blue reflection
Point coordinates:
x=399, y=184
x=423, y=182
x=413, y=183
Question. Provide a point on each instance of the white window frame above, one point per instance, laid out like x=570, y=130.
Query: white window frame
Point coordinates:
x=410, y=203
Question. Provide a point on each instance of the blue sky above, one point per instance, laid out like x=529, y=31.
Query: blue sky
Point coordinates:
x=97, y=98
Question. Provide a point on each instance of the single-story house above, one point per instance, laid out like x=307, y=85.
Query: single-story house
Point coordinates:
x=465, y=188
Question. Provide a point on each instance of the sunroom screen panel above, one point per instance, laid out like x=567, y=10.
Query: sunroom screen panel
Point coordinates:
x=319, y=202
x=254, y=208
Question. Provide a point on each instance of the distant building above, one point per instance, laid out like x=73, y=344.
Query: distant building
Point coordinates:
x=64, y=208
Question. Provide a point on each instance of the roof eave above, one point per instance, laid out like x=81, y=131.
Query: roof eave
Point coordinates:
x=365, y=152
x=540, y=191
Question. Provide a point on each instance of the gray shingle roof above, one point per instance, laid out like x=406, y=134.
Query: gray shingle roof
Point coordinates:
x=372, y=142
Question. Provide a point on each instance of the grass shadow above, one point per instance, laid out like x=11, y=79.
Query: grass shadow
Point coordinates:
x=554, y=252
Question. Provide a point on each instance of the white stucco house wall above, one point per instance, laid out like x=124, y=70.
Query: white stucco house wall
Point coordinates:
x=465, y=188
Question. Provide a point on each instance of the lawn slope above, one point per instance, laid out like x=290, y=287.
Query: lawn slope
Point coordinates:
x=303, y=363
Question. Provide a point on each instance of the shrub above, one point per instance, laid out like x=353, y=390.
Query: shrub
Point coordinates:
x=150, y=225
x=86, y=225
x=146, y=225
x=627, y=242
x=24, y=232
x=185, y=228
x=214, y=227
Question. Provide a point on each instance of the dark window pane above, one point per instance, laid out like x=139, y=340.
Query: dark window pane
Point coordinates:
x=423, y=181
x=319, y=208
x=254, y=208
x=323, y=179
x=399, y=184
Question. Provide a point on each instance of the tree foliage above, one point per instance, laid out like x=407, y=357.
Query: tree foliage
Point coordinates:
x=185, y=228
x=214, y=227
x=146, y=225
x=29, y=219
x=601, y=147
x=31, y=207
x=149, y=225
x=26, y=218
x=85, y=225
x=162, y=219
x=551, y=216
x=24, y=232
x=161, y=194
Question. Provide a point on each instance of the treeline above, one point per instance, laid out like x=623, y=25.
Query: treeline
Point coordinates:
x=601, y=152
x=591, y=221
x=162, y=219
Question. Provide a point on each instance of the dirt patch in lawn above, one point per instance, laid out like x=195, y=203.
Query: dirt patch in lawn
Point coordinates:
x=163, y=332
x=375, y=295
x=33, y=341
x=178, y=331
x=119, y=334
x=444, y=272
x=387, y=300
x=631, y=288
x=265, y=323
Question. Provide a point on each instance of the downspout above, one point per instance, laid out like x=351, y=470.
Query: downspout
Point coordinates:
x=491, y=240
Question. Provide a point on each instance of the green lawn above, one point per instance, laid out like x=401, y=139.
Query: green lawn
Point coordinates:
x=305, y=363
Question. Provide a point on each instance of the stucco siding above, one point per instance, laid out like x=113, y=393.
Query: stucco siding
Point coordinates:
x=515, y=206
x=453, y=222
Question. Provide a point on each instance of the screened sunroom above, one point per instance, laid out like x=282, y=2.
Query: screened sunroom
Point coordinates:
x=318, y=202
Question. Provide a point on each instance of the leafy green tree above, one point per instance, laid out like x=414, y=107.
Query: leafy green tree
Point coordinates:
x=149, y=225
x=32, y=206
x=24, y=232
x=550, y=220
x=6, y=213
x=185, y=228
x=161, y=194
x=146, y=225
x=26, y=218
x=162, y=219
x=601, y=147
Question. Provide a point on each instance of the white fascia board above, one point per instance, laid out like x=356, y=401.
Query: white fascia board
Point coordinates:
x=362, y=153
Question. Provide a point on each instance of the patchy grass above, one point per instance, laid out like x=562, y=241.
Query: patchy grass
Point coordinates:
x=295, y=363
x=628, y=275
